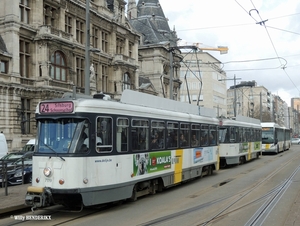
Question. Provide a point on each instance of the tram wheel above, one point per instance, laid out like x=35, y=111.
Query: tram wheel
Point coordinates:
x=257, y=155
x=223, y=163
x=242, y=160
x=133, y=197
x=210, y=170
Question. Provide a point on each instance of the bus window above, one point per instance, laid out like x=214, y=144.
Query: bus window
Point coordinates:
x=104, y=134
x=122, y=134
x=140, y=134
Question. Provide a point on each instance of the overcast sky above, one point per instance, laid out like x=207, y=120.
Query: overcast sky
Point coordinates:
x=256, y=52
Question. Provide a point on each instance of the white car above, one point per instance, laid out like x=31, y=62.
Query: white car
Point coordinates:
x=295, y=140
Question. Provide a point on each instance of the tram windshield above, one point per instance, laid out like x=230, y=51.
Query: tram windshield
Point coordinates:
x=61, y=135
x=267, y=137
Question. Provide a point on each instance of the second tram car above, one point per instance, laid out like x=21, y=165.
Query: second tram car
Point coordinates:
x=240, y=140
x=275, y=138
x=91, y=151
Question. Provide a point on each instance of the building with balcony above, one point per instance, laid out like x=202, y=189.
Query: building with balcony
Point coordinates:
x=42, y=56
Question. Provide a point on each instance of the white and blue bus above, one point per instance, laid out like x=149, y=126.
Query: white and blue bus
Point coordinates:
x=275, y=138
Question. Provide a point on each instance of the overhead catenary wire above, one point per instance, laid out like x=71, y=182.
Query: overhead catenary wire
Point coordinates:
x=263, y=23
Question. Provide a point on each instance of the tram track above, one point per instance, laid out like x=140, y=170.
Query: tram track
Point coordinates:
x=269, y=199
x=230, y=203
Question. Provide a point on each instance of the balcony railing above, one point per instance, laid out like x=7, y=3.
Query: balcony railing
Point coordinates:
x=120, y=58
x=46, y=29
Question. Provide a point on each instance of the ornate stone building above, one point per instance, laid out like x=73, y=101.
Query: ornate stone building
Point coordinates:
x=42, y=56
x=159, y=57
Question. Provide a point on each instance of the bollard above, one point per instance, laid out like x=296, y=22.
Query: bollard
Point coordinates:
x=22, y=170
x=5, y=177
x=2, y=164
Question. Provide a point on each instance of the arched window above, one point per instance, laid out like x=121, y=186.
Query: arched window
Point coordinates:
x=58, y=69
x=126, y=81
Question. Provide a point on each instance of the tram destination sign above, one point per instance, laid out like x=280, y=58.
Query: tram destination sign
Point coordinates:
x=56, y=107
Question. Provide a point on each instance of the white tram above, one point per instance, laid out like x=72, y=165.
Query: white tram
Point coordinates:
x=91, y=151
x=240, y=140
x=275, y=138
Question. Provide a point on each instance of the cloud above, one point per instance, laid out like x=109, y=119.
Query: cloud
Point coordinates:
x=228, y=23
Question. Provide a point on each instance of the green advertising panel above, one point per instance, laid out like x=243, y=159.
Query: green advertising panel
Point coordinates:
x=144, y=163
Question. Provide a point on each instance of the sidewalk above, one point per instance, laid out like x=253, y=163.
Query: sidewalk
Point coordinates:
x=15, y=198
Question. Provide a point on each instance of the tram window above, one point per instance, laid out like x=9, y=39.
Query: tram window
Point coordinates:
x=244, y=136
x=140, y=134
x=204, y=135
x=251, y=138
x=104, y=134
x=233, y=134
x=238, y=135
x=56, y=135
x=172, y=139
x=195, y=135
x=157, y=135
x=122, y=134
x=184, y=139
x=213, y=135
x=258, y=135
x=223, y=135
x=83, y=141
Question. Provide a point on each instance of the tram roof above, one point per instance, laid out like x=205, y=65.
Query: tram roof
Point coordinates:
x=271, y=124
x=139, y=104
x=146, y=100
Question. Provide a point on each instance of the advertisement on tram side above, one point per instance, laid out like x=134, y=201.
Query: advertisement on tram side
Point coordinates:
x=144, y=163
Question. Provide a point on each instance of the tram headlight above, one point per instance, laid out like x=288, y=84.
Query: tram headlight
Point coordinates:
x=47, y=171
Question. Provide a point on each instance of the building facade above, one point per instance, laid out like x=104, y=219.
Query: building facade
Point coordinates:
x=295, y=113
x=42, y=56
x=159, y=57
x=203, y=82
x=248, y=99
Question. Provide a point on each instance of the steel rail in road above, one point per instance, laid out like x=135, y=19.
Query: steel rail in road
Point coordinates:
x=262, y=213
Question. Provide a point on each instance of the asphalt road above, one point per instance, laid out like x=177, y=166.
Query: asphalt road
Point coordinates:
x=261, y=192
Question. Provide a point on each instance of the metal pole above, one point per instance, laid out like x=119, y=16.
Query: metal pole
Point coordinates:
x=260, y=99
x=171, y=73
x=87, y=49
x=234, y=101
x=234, y=107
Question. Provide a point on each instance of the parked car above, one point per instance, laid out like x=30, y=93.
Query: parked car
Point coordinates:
x=3, y=145
x=14, y=170
x=295, y=140
x=13, y=156
x=29, y=146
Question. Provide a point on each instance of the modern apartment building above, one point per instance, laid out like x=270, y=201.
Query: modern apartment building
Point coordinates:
x=203, y=82
x=249, y=100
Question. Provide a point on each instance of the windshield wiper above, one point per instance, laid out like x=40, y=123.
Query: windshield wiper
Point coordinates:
x=53, y=151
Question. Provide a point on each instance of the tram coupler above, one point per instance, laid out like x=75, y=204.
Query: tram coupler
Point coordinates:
x=38, y=197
